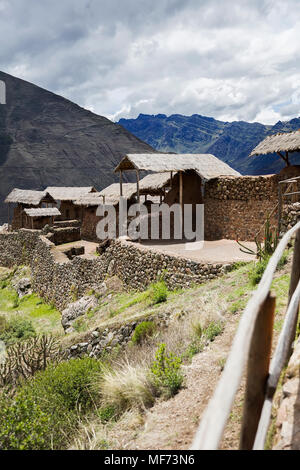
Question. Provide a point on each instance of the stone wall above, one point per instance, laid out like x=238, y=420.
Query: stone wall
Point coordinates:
x=290, y=216
x=236, y=208
x=288, y=416
x=61, y=280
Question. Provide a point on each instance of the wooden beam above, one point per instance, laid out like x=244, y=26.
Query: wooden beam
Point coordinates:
x=121, y=184
x=181, y=199
x=257, y=373
x=285, y=158
x=138, y=185
x=279, y=208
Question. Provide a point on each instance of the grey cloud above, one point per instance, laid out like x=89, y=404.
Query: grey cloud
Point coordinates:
x=236, y=59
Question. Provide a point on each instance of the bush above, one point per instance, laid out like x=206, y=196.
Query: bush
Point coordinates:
x=23, y=425
x=16, y=330
x=62, y=392
x=67, y=384
x=107, y=413
x=214, y=329
x=166, y=371
x=256, y=272
x=142, y=331
x=158, y=292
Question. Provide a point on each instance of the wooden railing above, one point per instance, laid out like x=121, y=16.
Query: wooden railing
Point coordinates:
x=252, y=348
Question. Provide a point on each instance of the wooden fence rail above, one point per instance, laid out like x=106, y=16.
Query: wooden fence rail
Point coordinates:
x=252, y=347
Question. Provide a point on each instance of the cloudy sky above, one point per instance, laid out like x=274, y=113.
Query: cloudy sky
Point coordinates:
x=230, y=59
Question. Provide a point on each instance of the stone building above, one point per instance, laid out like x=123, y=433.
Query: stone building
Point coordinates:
x=89, y=204
x=39, y=217
x=22, y=199
x=65, y=197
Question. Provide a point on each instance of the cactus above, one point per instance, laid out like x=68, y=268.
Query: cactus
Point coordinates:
x=25, y=358
x=265, y=249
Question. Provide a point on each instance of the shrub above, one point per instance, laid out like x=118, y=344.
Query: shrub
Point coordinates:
x=17, y=329
x=23, y=425
x=60, y=392
x=214, y=329
x=107, y=413
x=142, y=331
x=256, y=272
x=158, y=292
x=67, y=384
x=166, y=371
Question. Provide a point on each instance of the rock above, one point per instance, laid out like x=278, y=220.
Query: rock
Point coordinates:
x=22, y=286
x=77, y=309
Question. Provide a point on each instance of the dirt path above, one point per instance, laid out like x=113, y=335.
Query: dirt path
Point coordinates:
x=171, y=424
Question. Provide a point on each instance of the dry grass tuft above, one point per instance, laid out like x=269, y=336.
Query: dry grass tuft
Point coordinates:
x=127, y=387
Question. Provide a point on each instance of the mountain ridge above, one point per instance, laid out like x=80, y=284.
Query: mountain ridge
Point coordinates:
x=232, y=142
x=47, y=140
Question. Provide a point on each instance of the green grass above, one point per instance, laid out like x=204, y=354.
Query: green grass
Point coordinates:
x=45, y=318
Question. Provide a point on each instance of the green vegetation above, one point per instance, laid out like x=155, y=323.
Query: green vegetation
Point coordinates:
x=31, y=308
x=142, y=331
x=16, y=329
x=46, y=407
x=166, y=372
x=158, y=292
x=213, y=330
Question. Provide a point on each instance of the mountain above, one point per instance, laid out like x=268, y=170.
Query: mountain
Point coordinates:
x=48, y=140
x=232, y=142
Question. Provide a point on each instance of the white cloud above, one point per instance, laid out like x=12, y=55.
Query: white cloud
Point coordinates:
x=234, y=59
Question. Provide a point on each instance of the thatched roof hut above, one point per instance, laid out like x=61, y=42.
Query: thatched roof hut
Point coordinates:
x=42, y=212
x=29, y=197
x=155, y=183
x=69, y=193
x=89, y=200
x=206, y=165
x=282, y=142
x=112, y=192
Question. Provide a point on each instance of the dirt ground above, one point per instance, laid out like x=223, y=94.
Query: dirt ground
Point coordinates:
x=218, y=251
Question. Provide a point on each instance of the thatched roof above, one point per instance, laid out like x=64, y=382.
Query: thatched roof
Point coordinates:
x=154, y=183
x=92, y=199
x=42, y=212
x=112, y=192
x=69, y=193
x=29, y=197
x=206, y=165
x=283, y=142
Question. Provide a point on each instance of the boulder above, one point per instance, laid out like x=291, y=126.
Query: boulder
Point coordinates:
x=77, y=309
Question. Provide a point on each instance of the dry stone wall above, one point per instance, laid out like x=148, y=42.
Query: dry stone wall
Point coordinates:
x=61, y=281
x=236, y=208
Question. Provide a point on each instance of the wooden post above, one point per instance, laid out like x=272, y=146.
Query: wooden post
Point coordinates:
x=138, y=194
x=8, y=215
x=171, y=181
x=121, y=183
x=295, y=276
x=279, y=207
x=181, y=199
x=257, y=372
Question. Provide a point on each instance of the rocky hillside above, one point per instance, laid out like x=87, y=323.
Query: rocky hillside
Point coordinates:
x=47, y=140
x=232, y=142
